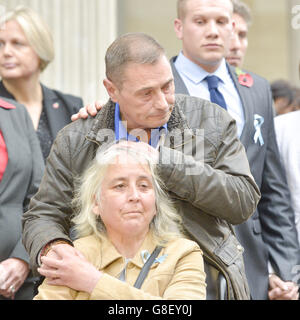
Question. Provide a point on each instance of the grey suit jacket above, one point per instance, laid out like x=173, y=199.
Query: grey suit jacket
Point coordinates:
x=21, y=178
x=270, y=234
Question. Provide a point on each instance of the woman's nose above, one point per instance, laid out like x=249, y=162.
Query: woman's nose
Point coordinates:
x=133, y=193
x=6, y=49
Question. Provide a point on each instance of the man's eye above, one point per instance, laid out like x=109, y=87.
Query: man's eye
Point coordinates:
x=166, y=88
x=222, y=21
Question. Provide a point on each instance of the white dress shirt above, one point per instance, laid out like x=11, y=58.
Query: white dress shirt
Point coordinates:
x=287, y=129
x=193, y=77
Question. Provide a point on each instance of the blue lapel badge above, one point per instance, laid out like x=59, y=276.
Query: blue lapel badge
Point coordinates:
x=145, y=256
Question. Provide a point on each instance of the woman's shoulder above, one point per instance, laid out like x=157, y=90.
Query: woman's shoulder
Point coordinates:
x=89, y=246
x=68, y=99
x=48, y=92
x=183, y=245
x=87, y=242
x=10, y=104
x=17, y=111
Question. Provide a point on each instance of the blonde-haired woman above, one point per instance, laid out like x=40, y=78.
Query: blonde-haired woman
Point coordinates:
x=26, y=48
x=124, y=215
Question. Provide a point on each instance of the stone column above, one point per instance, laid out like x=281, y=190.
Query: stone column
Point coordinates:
x=82, y=31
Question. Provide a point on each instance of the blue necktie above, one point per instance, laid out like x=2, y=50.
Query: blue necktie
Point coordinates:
x=215, y=95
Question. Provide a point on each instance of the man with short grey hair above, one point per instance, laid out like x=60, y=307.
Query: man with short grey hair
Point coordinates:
x=201, y=161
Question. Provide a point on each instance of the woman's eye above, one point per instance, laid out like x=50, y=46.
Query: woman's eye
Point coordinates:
x=145, y=186
x=120, y=186
x=18, y=43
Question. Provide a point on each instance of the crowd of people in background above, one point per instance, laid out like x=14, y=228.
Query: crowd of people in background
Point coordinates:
x=228, y=230
x=286, y=97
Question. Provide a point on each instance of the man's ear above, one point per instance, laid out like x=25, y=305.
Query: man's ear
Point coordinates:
x=178, y=27
x=111, y=89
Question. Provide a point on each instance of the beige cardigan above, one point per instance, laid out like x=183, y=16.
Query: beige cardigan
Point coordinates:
x=178, y=275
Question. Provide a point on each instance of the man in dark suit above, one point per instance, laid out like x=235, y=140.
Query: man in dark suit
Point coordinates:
x=239, y=42
x=205, y=28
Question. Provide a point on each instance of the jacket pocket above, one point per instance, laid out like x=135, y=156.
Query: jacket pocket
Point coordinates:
x=230, y=250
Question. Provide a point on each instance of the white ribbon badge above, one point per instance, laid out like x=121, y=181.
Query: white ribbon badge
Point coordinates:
x=258, y=121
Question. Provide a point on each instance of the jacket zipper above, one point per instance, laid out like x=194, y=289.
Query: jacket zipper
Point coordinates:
x=91, y=140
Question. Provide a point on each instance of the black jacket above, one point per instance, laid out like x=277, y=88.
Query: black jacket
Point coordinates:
x=59, y=107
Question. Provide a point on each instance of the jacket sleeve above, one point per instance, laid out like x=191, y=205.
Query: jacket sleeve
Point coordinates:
x=36, y=176
x=48, y=217
x=222, y=187
x=276, y=214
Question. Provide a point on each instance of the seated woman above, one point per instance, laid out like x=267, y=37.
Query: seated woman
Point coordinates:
x=21, y=169
x=123, y=216
x=26, y=49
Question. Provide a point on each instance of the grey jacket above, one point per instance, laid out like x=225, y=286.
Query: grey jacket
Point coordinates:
x=19, y=183
x=211, y=182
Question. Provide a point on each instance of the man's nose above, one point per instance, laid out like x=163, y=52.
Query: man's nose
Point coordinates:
x=212, y=28
x=161, y=101
x=235, y=42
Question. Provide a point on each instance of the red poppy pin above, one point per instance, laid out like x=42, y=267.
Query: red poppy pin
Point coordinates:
x=244, y=78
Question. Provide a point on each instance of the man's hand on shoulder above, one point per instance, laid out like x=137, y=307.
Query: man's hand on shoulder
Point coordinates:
x=89, y=109
x=64, y=265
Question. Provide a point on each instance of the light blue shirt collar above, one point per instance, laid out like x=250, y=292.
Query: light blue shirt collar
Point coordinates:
x=195, y=73
x=122, y=134
x=193, y=77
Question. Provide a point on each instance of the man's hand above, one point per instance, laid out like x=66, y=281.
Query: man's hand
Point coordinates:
x=13, y=274
x=140, y=147
x=66, y=266
x=89, y=109
x=282, y=290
